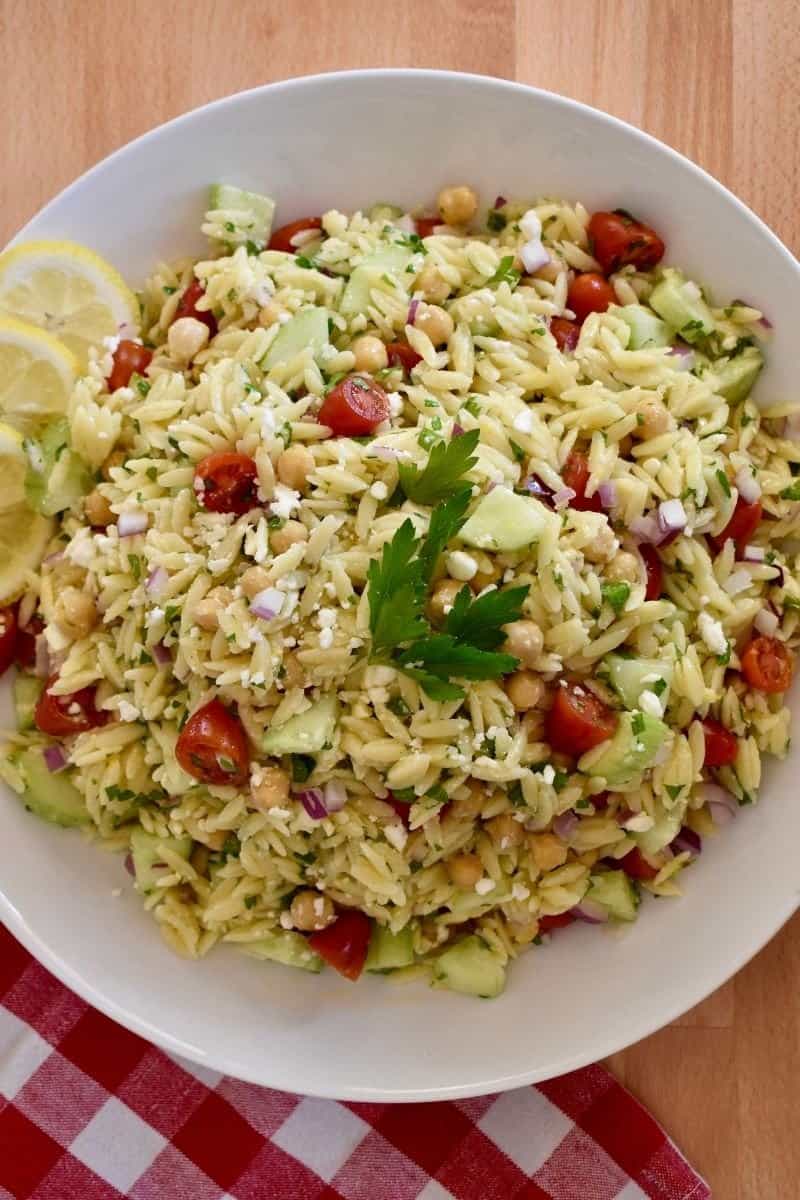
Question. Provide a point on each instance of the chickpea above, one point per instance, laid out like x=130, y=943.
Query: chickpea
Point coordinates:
x=311, y=911
x=432, y=284
x=524, y=639
x=254, y=580
x=117, y=458
x=457, y=205
x=199, y=858
x=370, y=354
x=465, y=870
x=547, y=850
x=434, y=321
x=270, y=313
x=288, y=534
x=505, y=832
x=75, y=612
x=97, y=509
x=269, y=788
x=443, y=598
x=186, y=338
x=467, y=808
x=623, y=567
x=652, y=419
x=294, y=466
x=209, y=610
x=524, y=690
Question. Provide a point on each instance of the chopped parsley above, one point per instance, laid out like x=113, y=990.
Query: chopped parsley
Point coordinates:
x=250, y=901
x=302, y=767
x=722, y=480
x=674, y=790
x=659, y=687
x=505, y=273
x=398, y=706
x=616, y=595
x=516, y=450
x=443, y=475
x=472, y=406
x=152, y=474
x=637, y=723
x=496, y=221
x=135, y=564
x=792, y=492
x=724, y=659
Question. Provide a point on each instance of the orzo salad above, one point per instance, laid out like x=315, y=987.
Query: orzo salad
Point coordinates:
x=393, y=590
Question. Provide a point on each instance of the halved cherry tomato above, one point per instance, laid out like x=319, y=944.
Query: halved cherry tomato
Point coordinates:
x=619, y=240
x=578, y=721
x=426, y=225
x=226, y=483
x=565, y=332
x=721, y=744
x=741, y=527
x=344, y=944
x=589, y=293
x=767, y=664
x=636, y=865
x=402, y=355
x=558, y=921
x=282, y=238
x=654, y=572
x=128, y=357
x=354, y=407
x=576, y=476
x=402, y=808
x=212, y=746
x=8, y=638
x=26, y=643
x=187, y=307
x=61, y=716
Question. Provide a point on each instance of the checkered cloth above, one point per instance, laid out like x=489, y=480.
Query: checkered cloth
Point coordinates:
x=89, y=1111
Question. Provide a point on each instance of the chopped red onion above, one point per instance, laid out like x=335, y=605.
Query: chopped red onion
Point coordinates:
x=720, y=813
x=754, y=554
x=687, y=839
x=412, y=312
x=778, y=578
x=267, y=604
x=43, y=666
x=534, y=256
x=162, y=654
x=671, y=516
x=565, y=824
x=737, y=581
x=156, y=581
x=721, y=804
x=748, y=485
x=607, y=492
x=406, y=223
x=684, y=354
x=55, y=758
x=766, y=622
x=334, y=795
x=386, y=453
x=500, y=201
x=562, y=497
x=647, y=529
x=313, y=802
x=591, y=912
x=539, y=489
x=131, y=522
x=129, y=867
x=458, y=429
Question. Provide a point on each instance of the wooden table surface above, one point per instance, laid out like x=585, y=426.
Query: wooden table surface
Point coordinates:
x=717, y=80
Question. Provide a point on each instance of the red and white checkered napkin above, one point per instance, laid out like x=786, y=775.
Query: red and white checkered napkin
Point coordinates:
x=89, y=1111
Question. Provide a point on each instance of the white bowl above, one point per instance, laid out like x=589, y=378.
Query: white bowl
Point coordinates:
x=348, y=140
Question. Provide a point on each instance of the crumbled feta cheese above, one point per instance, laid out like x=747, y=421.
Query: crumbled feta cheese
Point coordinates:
x=325, y=639
x=396, y=403
x=267, y=422
x=548, y=774
x=712, y=634
x=379, y=490
x=127, y=711
x=396, y=836
x=285, y=501
x=155, y=614
x=326, y=618
x=81, y=550
x=523, y=421
x=530, y=226
x=520, y=892
x=462, y=566
x=650, y=704
x=111, y=343
x=485, y=885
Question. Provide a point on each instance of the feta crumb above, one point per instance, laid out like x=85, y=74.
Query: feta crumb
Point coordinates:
x=462, y=566
x=267, y=422
x=155, y=614
x=285, y=501
x=325, y=639
x=326, y=618
x=712, y=634
x=485, y=885
x=523, y=421
x=128, y=711
x=548, y=774
x=379, y=490
x=396, y=403
x=520, y=892
x=530, y=226
x=650, y=704
x=396, y=836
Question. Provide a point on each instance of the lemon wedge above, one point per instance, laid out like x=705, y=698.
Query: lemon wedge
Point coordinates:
x=23, y=539
x=13, y=465
x=37, y=374
x=69, y=291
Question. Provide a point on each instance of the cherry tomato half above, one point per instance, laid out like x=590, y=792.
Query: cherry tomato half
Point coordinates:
x=565, y=332
x=741, y=527
x=557, y=921
x=619, y=240
x=402, y=808
x=128, y=357
x=344, y=944
x=721, y=744
x=576, y=476
x=226, y=483
x=426, y=225
x=61, y=716
x=187, y=307
x=402, y=355
x=578, y=721
x=767, y=664
x=26, y=643
x=589, y=293
x=8, y=638
x=654, y=572
x=636, y=865
x=354, y=407
x=212, y=746
x=282, y=238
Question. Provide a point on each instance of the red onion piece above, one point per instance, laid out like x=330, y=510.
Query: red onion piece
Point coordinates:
x=671, y=516
x=162, y=654
x=748, y=485
x=562, y=497
x=334, y=795
x=131, y=522
x=267, y=604
x=43, y=666
x=313, y=801
x=608, y=494
x=684, y=354
x=458, y=429
x=55, y=759
x=387, y=453
x=720, y=813
x=500, y=201
x=754, y=554
x=129, y=867
x=687, y=839
x=722, y=806
x=766, y=622
x=539, y=489
x=737, y=581
x=591, y=912
x=565, y=824
x=412, y=312
x=406, y=223
x=156, y=581
x=647, y=529
x=778, y=578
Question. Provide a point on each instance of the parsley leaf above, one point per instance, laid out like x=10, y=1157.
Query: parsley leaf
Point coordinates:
x=637, y=723
x=792, y=492
x=443, y=474
x=496, y=220
x=432, y=685
x=442, y=655
x=396, y=593
x=722, y=480
x=616, y=595
x=446, y=520
x=480, y=621
x=505, y=273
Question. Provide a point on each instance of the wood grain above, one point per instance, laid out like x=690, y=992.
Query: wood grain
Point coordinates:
x=719, y=81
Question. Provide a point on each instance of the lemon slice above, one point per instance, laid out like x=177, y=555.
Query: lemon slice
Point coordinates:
x=68, y=290
x=37, y=374
x=23, y=539
x=13, y=465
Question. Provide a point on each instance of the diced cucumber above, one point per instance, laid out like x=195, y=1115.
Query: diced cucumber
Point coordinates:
x=646, y=328
x=503, y=520
x=680, y=302
x=148, y=866
x=387, y=950
x=385, y=212
x=736, y=379
x=615, y=892
x=285, y=947
x=306, y=733
x=632, y=749
x=469, y=966
x=51, y=796
x=388, y=260
x=56, y=476
x=27, y=690
x=241, y=216
x=666, y=828
x=629, y=677
x=308, y=327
